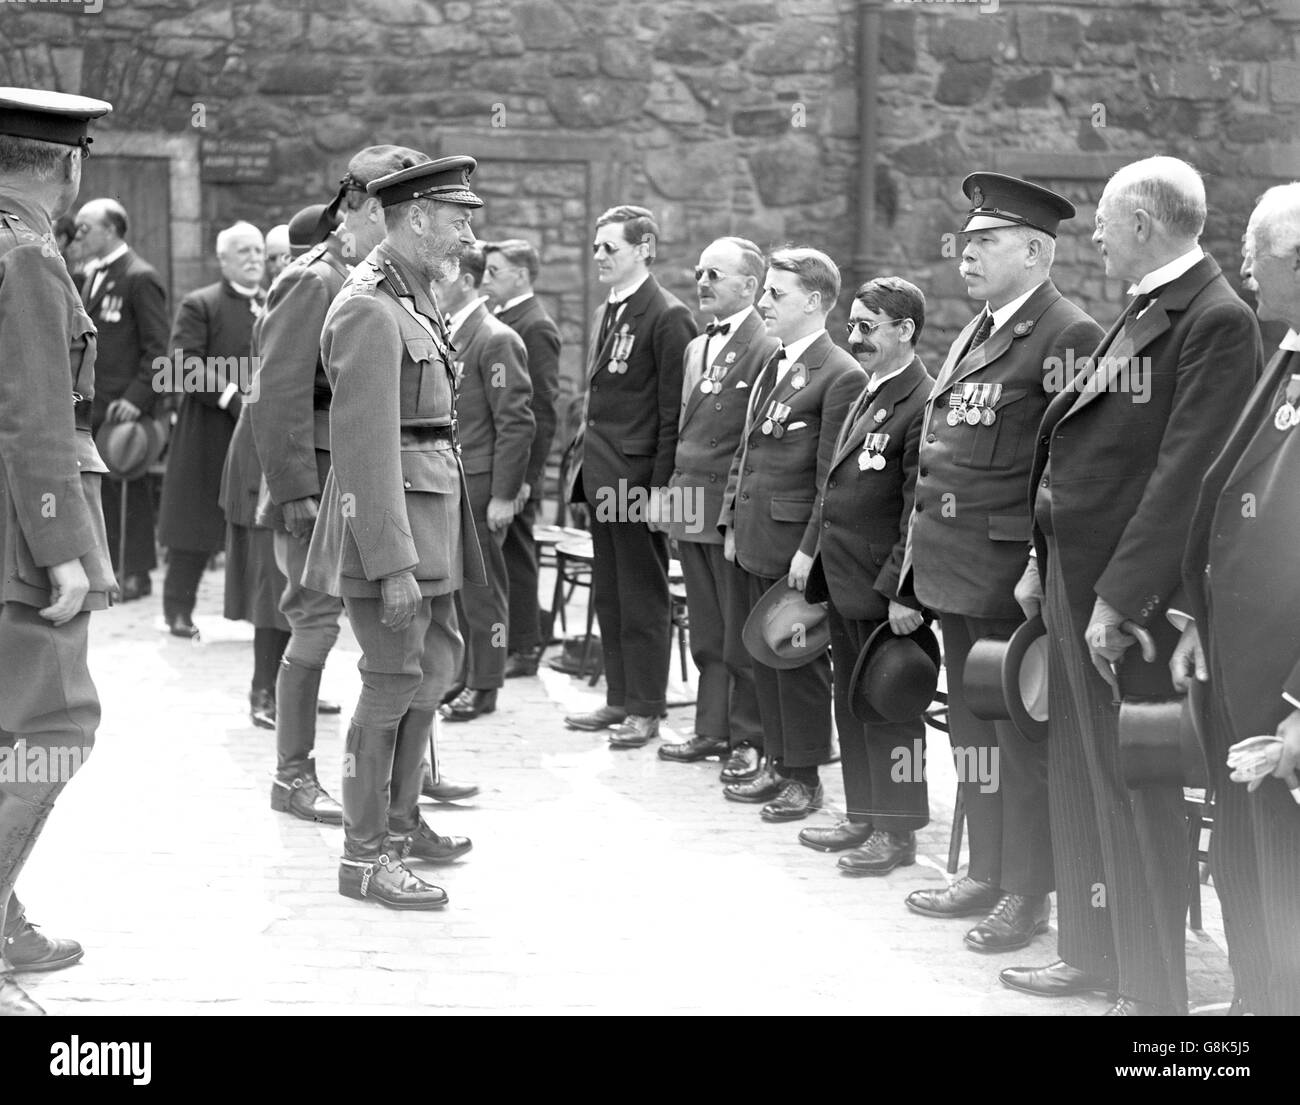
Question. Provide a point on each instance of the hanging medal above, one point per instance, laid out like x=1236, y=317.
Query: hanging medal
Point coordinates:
x=988, y=415
x=620, y=350
x=970, y=407
x=872, y=456
x=1288, y=413
x=956, y=408
x=711, y=383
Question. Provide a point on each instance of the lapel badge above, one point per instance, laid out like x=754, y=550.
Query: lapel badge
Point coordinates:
x=879, y=416
x=1022, y=328
x=730, y=357
x=797, y=379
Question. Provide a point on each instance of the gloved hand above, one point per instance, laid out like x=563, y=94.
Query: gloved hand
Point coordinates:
x=401, y=595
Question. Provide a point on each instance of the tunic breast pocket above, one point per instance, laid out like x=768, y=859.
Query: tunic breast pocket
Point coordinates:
x=431, y=481
x=999, y=445
x=427, y=392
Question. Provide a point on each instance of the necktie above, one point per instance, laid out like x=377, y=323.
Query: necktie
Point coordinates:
x=767, y=379
x=607, y=323
x=88, y=272
x=715, y=328
x=982, y=332
x=1139, y=304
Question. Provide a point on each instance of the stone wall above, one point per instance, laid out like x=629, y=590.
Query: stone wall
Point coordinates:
x=736, y=119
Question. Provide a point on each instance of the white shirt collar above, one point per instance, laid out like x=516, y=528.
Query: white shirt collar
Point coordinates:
x=95, y=264
x=796, y=349
x=1291, y=343
x=457, y=319
x=877, y=382
x=627, y=293
x=248, y=291
x=733, y=321
x=1003, y=314
x=1166, y=274
x=514, y=302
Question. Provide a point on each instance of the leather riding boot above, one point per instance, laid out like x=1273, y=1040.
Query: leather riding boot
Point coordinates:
x=368, y=771
x=408, y=771
x=21, y=822
x=296, y=689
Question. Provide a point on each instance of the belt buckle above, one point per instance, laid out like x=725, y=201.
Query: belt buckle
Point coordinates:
x=455, y=435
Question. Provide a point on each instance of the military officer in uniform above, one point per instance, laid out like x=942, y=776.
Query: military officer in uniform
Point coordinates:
x=56, y=562
x=970, y=530
x=717, y=378
x=394, y=537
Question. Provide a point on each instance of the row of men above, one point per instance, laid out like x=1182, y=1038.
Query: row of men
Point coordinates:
x=994, y=491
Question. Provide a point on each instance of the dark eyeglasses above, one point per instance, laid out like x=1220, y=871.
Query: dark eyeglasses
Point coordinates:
x=714, y=275
x=608, y=247
x=865, y=328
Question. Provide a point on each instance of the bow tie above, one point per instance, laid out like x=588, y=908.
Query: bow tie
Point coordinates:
x=715, y=328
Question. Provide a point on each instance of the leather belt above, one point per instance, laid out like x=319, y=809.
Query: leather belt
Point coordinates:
x=423, y=435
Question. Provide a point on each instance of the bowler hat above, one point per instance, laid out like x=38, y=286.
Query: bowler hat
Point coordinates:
x=896, y=675
x=1007, y=680
x=785, y=630
x=130, y=448
x=1162, y=740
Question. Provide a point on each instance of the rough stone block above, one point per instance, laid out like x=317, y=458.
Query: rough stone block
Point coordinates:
x=1031, y=91
x=300, y=78
x=596, y=102
x=1049, y=38
x=544, y=24
x=964, y=82
x=898, y=42
x=975, y=39
x=797, y=46
x=1192, y=80
x=789, y=170
x=761, y=121
x=696, y=38
x=1284, y=82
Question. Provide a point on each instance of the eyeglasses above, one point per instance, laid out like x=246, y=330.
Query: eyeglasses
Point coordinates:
x=609, y=247
x=714, y=275
x=83, y=228
x=865, y=328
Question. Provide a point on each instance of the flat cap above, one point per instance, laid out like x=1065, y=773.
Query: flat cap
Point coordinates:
x=445, y=180
x=998, y=200
x=309, y=227
x=372, y=163
x=49, y=116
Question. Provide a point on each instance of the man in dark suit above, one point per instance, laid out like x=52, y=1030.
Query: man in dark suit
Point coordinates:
x=493, y=394
x=124, y=295
x=213, y=332
x=1119, y=455
x=970, y=529
x=796, y=407
x=1242, y=593
x=864, y=507
x=622, y=456
x=717, y=376
x=512, y=268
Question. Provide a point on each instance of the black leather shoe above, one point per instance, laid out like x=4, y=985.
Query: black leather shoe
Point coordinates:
x=521, y=664
x=390, y=882
x=763, y=787
x=306, y=799
x=325, y=707
x=443, y=789
x=1014, y=921
x=966, y=897
x=424, y=844
x=604, y=718
x=882, y=852
x=1056, y=980
x=136, y=586
x=844, y=835
x=179, y=625
x=14, y=1001
x=697, y=748
x=261, y=709
x=743, y=764
x=30, y=950
x=470, y=704
x=795, y=801
x=634, y=732
x=1128, y=1007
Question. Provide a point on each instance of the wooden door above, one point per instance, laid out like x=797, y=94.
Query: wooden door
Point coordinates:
x=142, y=186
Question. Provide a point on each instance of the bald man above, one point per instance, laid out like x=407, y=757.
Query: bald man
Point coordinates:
x=278, y=251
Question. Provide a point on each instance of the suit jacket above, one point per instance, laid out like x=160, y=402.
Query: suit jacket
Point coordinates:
x=1123, y=474
x=772, y=483
x=711, y=424
x=1239, y=572
x=630, y=427
x=49, y=468
x=493, y=400
x=290, y=420
x=214, y=324
x=129, y=309
x=864, y=513
x=394, y=500
x=970, y=529
x=542, y=343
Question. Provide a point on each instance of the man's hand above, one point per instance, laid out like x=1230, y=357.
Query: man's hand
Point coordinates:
x=579, y=515
x=122, y=410
x=1188, y=659
x=521, y=500
x=657, y=510
x=300, y=516
x=800, y=565
x=499, y=513
x=903, y=619
x=68, y=591
x=1109, y=635
x=729, y=544
x=1029, y=591
x=401, y=596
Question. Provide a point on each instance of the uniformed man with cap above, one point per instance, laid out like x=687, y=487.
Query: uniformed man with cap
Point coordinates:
x=970, y=531
x=394, y=537
x=56, y=564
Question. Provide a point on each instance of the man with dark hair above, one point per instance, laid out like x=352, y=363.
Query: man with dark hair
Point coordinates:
x=623, y=453
x=864, y=505
x=796, y=407
x=56, y=566
x=496, y=431
x=124, y=295
x=717, y=375
x=512, y=268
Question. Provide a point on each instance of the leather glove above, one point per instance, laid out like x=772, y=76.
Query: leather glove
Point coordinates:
x=300, y=516
x=401, y=595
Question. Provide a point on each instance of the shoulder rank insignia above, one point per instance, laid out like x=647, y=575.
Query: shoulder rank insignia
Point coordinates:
x=395, y=277
x=1022, y=328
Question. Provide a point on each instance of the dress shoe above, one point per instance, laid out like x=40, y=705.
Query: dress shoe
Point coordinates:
x=136, y=586
x=763, y=787
x=1056, y=980
x=882, y=852
x=325, y=707
x=390, y=882
x=743, y=764
x=424, y=844
x=1014, y=921
x=523, y=663
x=966, y=897
x=634, y=732
x=28, y=949
x=470, y=703
x=1128, y=1007
x=844, y=835
x=443, y=789
x=180, y=625
x=14, y=1001
x=305, y=798
x=697, y=748
x=261, y=709
x=604, y=718
x=794, y=802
